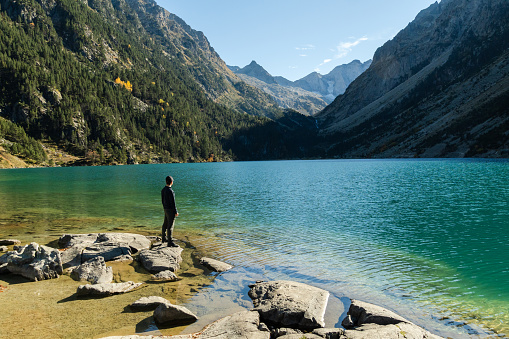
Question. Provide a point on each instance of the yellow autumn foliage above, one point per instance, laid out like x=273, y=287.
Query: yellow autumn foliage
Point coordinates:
x=127, y=84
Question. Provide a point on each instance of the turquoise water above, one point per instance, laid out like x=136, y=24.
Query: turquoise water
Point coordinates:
x=428, y=238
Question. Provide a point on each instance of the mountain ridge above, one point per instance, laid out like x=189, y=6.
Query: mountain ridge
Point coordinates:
x=439, y=88
x=307, y=95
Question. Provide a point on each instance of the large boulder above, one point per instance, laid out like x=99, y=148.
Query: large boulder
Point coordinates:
x=290, y=304
x=148, y=303
x=107, y=289
x=161, y=258
x=80, y=248
x=135, y=242
x=94, y=271
x=168, y=312
x=372, y=321
x=215, y=265
x=34, y=262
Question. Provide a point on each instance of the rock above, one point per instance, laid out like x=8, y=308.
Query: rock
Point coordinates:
x=290, y=304
x=4, y=269
x=34, y=262
x=93, y=271
x=215, y=265
x=348, y=322
x=70, y=240
x=329, y=333
x=161, y=259
x=239, y=325
x=111, y=246
x=9, y=242
x=135, y=242
x=107, y=250
x=372, y=321
x=279, y=332
x=242, y=324
x=391, y=331
x=148, y=303
x=4, y=248
x=300, y=336
x=126, y=259
x=71, y=256
x=164, y=276
x=168, y=312
x=364, y=313
x=154, y=239
x=263, y=327
x=107, y=289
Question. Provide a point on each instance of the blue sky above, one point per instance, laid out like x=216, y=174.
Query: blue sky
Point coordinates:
x=293, y=38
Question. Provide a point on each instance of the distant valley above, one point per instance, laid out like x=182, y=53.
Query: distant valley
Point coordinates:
x=308, y=95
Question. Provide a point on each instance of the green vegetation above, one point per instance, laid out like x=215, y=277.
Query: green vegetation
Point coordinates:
x=110, y=92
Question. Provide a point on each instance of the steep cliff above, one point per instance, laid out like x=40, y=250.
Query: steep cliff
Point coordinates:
x=440, y=88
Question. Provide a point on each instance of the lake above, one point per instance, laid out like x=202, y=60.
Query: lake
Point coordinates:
x=426, y=238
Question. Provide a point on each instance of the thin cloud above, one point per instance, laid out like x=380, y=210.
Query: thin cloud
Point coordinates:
x=305, y=47
x=344, y=48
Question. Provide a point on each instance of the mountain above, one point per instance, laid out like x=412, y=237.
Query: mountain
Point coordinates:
x=308, y=95
x=256, y=71
x=294, y=98
x=125, y=81
x=334, y=83
x=440, y=88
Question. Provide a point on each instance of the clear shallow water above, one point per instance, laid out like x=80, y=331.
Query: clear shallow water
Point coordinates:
x=429, y=239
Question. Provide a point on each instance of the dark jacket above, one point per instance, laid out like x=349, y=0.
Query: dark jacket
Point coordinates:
x=168, y=199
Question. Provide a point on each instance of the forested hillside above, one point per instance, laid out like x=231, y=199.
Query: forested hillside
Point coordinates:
x=108, y=89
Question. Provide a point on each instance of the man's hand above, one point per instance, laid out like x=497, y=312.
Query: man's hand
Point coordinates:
x=176, y=214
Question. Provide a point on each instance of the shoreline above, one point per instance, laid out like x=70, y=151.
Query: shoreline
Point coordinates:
x=197, y=289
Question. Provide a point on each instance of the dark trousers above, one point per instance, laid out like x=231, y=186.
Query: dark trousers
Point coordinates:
x=169, y=222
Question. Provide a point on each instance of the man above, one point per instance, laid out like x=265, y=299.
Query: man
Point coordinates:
x=170, y=211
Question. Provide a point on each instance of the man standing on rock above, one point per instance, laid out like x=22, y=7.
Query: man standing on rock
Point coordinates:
x=170, y=211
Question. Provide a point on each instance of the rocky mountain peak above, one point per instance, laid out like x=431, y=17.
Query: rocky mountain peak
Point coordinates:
x=256, y=71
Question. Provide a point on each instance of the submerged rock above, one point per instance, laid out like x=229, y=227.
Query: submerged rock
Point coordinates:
x=161, y=259
x=94, y=271
x=168, y=312
x=215, y=265
x=290, y=304
x=34, y=262
x=9, y=242
x=107, y=289
x=164, y=276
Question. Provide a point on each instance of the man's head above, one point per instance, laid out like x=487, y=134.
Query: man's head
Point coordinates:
x=169, y=180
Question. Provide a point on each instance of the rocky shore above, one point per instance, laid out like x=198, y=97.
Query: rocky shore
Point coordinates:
x=282, y=309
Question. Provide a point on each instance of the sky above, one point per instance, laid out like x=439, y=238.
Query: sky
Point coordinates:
x=292, y=38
